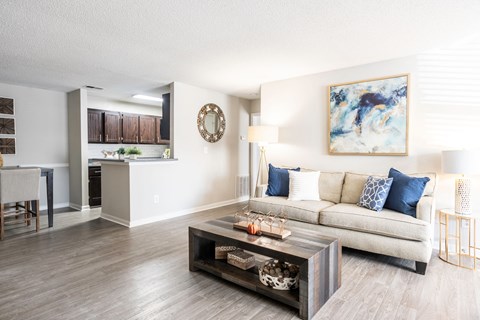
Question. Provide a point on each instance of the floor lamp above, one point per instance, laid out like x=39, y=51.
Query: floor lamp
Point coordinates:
x=461, y=162
x=263, y=135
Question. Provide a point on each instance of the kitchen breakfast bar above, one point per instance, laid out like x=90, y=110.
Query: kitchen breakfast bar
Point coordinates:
x=133, y=190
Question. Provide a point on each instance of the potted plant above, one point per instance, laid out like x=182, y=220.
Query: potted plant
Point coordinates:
x=121, y=153
x=133, y=152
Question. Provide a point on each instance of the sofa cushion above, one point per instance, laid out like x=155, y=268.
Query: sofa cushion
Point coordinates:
x=305, y=211
x=352, y=187
x=405, y=192
x=430, y=187
x=303, y=185
x=330, y=186
x=354, y=182
x=375, y=192
x=278, y=181
x=387, y=222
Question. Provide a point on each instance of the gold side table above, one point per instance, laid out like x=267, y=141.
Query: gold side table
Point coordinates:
x=454, y=254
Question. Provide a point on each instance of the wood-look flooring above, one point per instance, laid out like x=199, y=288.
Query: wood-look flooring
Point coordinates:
x=89, y=268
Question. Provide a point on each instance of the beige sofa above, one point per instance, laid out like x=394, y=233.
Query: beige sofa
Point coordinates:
x=386, y=232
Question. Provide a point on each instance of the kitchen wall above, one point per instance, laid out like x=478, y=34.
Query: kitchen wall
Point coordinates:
x=103, y=103
x=299, y=107
x=148, y=150
x=41, y=135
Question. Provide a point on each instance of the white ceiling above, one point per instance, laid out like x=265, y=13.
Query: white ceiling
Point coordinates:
x=232, y=46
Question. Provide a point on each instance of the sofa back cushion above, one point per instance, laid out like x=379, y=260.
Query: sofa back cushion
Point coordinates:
x=431, y=185
x=352, y=187
x=354, y=182
x=330, y=186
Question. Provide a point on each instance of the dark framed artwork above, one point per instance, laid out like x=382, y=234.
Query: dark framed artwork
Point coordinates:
x=7, y=126
x=7, y=145
x=6, y=106
x=369, y=117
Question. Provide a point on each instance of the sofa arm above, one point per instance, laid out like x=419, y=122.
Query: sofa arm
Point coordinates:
x=426, y=209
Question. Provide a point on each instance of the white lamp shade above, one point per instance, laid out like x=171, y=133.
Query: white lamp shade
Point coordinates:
x=263, y=134
x=460, y=162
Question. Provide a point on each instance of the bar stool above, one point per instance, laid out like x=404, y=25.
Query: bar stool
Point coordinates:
x=19, y=185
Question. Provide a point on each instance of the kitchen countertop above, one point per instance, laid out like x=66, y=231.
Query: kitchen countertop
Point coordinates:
x=97, y=161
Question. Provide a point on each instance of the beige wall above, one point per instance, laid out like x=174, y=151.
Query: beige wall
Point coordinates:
x=299, y=107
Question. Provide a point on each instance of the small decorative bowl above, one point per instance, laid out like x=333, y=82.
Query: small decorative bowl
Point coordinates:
x=279, y=275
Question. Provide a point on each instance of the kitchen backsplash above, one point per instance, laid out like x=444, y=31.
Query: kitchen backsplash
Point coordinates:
x=95, y=150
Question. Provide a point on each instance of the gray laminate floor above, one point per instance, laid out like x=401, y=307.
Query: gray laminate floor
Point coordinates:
x=89, y=268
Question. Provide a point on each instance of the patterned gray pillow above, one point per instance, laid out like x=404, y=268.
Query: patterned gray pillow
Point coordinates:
x=375, y=192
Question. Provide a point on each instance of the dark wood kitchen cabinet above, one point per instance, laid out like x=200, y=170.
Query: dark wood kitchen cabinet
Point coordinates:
x=147, y=129
x=130, y=128
x=158, y=132
x=112, y=127
x=95, y=126
x=94, y=186
x=115, y=127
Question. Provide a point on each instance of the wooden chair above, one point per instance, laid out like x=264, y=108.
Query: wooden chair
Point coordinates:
x=16, y=186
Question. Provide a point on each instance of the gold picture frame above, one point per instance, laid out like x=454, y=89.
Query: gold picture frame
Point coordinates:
x=369, y=117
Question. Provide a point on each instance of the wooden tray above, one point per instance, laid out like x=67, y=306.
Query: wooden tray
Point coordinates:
x=275, y=233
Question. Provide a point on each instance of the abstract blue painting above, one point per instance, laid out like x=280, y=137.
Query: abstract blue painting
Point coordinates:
x=369, y=117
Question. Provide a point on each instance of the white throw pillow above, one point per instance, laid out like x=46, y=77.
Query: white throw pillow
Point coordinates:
x=303, y=185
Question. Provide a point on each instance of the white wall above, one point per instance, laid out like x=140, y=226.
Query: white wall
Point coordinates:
x=41, y=135
x=299, y=107
x=255, y=106
x=208, y=170
x=204, y=175
x=78, y=148
x=103, y=103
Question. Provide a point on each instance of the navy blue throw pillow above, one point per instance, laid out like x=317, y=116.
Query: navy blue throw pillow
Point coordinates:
x=278, y=181
x=405, y=192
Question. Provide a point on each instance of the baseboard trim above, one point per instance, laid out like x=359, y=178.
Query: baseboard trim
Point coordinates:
x=170, y=215
x=46, y=165
x=56, y=206
x=114, y=219
x=78, y=207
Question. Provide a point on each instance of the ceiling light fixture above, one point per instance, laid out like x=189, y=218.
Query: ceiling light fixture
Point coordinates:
x=93, y=87
x=145, y=97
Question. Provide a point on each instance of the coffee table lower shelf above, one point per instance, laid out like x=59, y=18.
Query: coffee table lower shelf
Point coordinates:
x=318, y=257
x=247, y=279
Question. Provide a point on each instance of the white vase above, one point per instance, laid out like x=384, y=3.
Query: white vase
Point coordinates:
x=133, y=157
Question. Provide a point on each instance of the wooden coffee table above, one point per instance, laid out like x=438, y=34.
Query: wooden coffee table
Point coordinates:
x=319, y=258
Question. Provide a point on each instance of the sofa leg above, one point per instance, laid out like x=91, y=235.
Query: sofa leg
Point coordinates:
x=420, y=267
